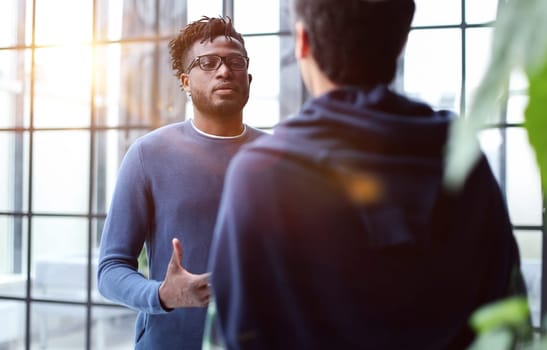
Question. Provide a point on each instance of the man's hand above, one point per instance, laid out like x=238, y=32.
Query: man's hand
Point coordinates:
x=181, y=288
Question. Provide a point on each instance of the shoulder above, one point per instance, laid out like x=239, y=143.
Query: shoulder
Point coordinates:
x=268, y=158
x=254, y=133
x=163, y=133
x=162, y=137
x=252, y=162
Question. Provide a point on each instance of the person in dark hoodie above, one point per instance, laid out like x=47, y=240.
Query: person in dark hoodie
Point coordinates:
x=336, y=231
x=168, y=191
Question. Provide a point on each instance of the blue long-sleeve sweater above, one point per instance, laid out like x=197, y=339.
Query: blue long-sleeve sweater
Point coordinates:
x=336, y=233
x=169, y=185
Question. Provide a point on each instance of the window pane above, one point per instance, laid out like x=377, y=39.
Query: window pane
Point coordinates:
x=119, y=20
x=14, y=177
x=73, y=26
x=59, y=256
x=477, y=58
x=434, y=77
x=111, y=147
x=516, y=105
x=14, y=84
x=150, y=98
x=11, y=12
x=119, y=337
x=138, y=18
x=170, y=100
x=97, y=230
x=435, y=12
x=171, y=16
x=137, y=86
x=12, y=324
x=12, y=245
x=198, y=8
x=62, y=87
x=530, y=244
x=57, y=326
x=523, y=181
x=13, y=248
x=60, y=176
x=491, y=141
x=107, y=85
x=480, y=11
x=292, y=90
x=262, y=110
x=518, y=82
x=247, y=21
x=286, y=20
x=109, y=19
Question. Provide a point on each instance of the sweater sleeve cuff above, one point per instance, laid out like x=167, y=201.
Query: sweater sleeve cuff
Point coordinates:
x=158, y=307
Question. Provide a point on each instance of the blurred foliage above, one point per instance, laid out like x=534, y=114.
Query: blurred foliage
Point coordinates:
x=509, y=312
x=519, y=43
x=143, y=262
x=536, y=116
x=505, y=325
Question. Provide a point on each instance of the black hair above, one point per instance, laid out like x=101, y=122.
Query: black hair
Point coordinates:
x=356, y=42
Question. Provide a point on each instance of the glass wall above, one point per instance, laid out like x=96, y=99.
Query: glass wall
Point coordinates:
x=77, y=90
x=444, y=61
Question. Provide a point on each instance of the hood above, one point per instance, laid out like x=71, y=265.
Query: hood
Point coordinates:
x=385, y=151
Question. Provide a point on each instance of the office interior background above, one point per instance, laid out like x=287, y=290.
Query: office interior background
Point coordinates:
x=81, y=80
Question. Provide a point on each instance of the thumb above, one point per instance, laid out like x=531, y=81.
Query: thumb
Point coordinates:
x=176, y=258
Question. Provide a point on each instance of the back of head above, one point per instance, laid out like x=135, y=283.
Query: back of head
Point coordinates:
x=356, y=42
x=206, y=28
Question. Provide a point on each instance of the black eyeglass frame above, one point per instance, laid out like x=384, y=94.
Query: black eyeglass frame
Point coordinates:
x=223, y=60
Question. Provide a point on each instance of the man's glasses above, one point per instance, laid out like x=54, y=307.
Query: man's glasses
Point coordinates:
x=213, y=62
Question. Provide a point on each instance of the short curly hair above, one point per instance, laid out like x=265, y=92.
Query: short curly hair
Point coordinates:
x=206, y=28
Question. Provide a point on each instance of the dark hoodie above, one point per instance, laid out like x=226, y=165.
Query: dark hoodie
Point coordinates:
x=336, y=232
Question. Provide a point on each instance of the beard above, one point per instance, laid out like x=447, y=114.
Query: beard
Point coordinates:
x=228, y=105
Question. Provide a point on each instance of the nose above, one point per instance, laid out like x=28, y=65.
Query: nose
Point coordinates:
x=223, y=70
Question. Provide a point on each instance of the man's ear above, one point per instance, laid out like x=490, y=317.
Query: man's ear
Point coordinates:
x=185, y=82
x=250, y=78
x=302, y=44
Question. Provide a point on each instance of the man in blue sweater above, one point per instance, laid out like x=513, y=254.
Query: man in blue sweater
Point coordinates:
x=168, y=192
x=336, y=232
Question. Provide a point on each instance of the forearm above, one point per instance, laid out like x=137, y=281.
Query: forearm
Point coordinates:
x=122, y=283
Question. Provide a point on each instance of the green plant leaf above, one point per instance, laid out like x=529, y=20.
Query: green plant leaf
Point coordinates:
x=143, y=262
x=510, y=312
x=520, y=41
x=536, y=117
x=499, y=339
